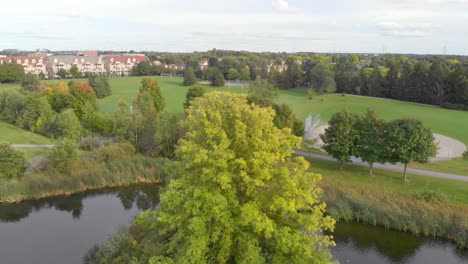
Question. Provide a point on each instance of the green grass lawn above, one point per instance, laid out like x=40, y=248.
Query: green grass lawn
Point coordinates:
x=15, y=135
x=454, y=191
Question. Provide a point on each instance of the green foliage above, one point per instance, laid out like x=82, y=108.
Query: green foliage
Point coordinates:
x=60, y=100
x=285, y=118
x=407, y=140
x=231, y=200
x=322, y=78
x=75, y=72
x=244, y=74
x=216, y=78
x=167, y=134
x=144, y=68
x=69, y=125
x=113, y=152
x=192, y=93
x=12, y=162
x=100, y=85
x=30, y=82
x=189, y=77
x=11, y=72
x=125, y=124
x=430, y=196
x=262, y=91
x=311, y=93
x=64, y=152
x=62, y=73
x=151, y=86
x=232, y=74
x=369, y=141
x=340, y=136
x=11, y=106
x=465, y=155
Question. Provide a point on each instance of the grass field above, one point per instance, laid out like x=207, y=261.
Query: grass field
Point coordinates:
x=454, y=191
x=447, y=122
x=14, y=135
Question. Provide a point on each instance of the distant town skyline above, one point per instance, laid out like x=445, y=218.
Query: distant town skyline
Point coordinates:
x=381, y=26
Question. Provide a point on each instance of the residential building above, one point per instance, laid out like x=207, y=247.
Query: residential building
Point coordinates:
x=203, y=64
x=122, y=65
x=85, y=64
x=31, y=64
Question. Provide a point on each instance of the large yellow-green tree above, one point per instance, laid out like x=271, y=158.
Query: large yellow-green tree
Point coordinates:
x=239, y=195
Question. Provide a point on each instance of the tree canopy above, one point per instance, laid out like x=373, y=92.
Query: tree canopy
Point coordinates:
x=238, y=193
x=189, y=77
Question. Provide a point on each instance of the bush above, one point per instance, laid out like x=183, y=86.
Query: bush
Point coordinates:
x=465, y=155
x=89, y=143
x=38, y=164
x=113, y=152
x=30, y=82
x=12, y=162
x=62, y=154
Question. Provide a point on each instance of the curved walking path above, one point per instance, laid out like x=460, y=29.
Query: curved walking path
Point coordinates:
x=389, y=167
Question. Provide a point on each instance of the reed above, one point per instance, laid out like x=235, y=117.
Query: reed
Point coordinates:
x=414, y=213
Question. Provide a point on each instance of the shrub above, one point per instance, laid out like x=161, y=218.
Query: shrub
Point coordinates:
x=62, y=154
x=12, y=162
x=430, y=196
x=465, y=155
x=112, y=152
x=100, y=85
x=30, y=82
x=89, y=143
x=38, y=164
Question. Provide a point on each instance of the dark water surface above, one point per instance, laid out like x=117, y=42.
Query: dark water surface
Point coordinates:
x=62, y=230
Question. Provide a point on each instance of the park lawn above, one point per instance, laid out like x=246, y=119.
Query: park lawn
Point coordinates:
x=172, y=89
x=454, y=191
x=447, y=122
x=454, y=166
x=14, y=135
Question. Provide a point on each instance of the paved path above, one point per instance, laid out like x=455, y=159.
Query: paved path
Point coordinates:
x=31, y=146
x=389, y=167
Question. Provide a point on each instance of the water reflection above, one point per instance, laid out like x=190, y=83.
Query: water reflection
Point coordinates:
x=144, y=197
x=359, y=243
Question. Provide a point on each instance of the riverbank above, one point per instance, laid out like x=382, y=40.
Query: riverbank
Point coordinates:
x=119, y=173
x=418, y=213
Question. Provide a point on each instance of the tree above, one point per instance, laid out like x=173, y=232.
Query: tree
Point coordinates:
x=189, y=77
x=167, y=134
x=12, y=162
x=285, y=118
x=321, y=77
x=340, y=136
x=217, y=78
x=30, y=82
x=293, y=76
x=62, y=73
x=100, y=85
x=11, y=72
x=125, y=124
x=239, y=193
x=192, y=93
x=151, y=86
x=69, y=125
x=63, y=153
x=244, y=74
x=369, y=140
x=75, y=72
x=262, y=91
x=407, y=140
x=232, y=74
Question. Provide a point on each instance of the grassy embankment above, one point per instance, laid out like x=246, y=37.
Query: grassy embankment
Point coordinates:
x=423, y=206
x=95, y=175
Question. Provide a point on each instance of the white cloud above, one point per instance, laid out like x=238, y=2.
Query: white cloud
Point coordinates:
x=282, y=6
x=404, y=30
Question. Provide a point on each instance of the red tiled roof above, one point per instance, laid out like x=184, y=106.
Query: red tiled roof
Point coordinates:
x=22, y=59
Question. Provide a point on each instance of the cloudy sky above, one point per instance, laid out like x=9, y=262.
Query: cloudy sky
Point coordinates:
x=394, y=26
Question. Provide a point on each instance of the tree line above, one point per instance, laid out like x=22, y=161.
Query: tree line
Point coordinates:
x=435, y=80
x=376, y=141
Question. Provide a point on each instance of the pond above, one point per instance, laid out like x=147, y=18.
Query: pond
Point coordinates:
x=62, y=230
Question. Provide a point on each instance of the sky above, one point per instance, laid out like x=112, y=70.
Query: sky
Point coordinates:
x=358, y=26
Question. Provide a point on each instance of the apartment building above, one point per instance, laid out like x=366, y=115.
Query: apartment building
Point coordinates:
x=31, y=64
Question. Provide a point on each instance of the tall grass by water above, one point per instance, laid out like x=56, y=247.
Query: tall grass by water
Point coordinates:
x=417, y=213
x=137, y=169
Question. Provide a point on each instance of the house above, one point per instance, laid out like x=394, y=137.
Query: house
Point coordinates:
x=203, y=64
x=31, y=64
x=122, y=65
x=85, y=64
